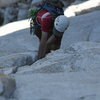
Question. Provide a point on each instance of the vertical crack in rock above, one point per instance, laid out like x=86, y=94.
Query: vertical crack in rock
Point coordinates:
x=1, y=18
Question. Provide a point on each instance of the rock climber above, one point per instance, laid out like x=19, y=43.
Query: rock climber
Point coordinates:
x=50, y=24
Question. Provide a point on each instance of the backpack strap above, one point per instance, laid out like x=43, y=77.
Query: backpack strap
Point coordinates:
x=56, y=3
x=52, y=9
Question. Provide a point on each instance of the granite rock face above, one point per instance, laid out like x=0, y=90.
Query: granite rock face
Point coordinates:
x=17, y=46
x=79, y=7
x=70, y=73
x=4, y=3
x=13, y=10
x=7, y=86
x=82, y=28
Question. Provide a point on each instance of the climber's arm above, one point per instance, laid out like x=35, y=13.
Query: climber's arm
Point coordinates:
x=43, y=45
